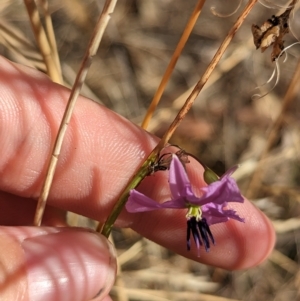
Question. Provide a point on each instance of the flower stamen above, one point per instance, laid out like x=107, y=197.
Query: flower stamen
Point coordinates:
x=200, y=232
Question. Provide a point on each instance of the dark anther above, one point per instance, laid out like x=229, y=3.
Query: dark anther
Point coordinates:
x=192, y=228
x=206, y=234
x=201, y=233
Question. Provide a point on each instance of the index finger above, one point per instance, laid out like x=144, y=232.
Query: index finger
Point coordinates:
x=100, y=153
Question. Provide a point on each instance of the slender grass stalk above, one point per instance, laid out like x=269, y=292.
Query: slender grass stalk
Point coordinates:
x=185, y=35
x=80, y=78
x=212, y=65
x=236, y=56
x=42, y=41
x=290, y=95
x=51, y=36
x=144, y=169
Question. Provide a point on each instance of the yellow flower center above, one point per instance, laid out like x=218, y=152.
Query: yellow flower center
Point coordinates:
x=194, y=211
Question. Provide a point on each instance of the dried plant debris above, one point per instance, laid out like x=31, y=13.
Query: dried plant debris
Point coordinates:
x=272, y=32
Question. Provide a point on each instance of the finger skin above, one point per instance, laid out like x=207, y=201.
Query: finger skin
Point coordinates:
x=18, y=211
x=100, y=153
x=54, y=264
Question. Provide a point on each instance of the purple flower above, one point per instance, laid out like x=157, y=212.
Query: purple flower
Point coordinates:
x=203, y=211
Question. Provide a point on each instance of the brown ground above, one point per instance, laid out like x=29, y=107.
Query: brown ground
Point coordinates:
x=227, y=125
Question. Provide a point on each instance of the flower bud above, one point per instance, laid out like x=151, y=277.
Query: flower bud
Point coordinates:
x=210, y=176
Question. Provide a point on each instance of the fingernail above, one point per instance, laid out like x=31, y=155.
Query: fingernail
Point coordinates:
x=69, y=265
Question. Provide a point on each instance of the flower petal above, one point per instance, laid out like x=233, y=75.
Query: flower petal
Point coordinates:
x=215, y=214
x=230, y=171
x=138, y=202
x=178, y=179
x=174, y=204
x=220, y=192
x=232, y=215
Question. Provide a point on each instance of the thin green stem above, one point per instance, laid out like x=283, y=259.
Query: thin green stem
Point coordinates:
x=143, y=171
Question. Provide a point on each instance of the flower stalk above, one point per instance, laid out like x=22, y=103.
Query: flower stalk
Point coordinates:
x=144, y=170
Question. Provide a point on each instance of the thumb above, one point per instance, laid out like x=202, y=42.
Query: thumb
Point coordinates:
x=55, y=264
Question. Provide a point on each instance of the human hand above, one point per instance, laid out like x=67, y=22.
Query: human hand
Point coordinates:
x=100, y=153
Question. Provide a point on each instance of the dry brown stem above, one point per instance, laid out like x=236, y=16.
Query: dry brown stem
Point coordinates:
x=236, y=56
x=51, y=36
x=42, y=41
x=87, y=60
x=185, y=35
x=199, y=86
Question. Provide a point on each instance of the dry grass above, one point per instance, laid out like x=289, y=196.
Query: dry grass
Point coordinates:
x=226, y=127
